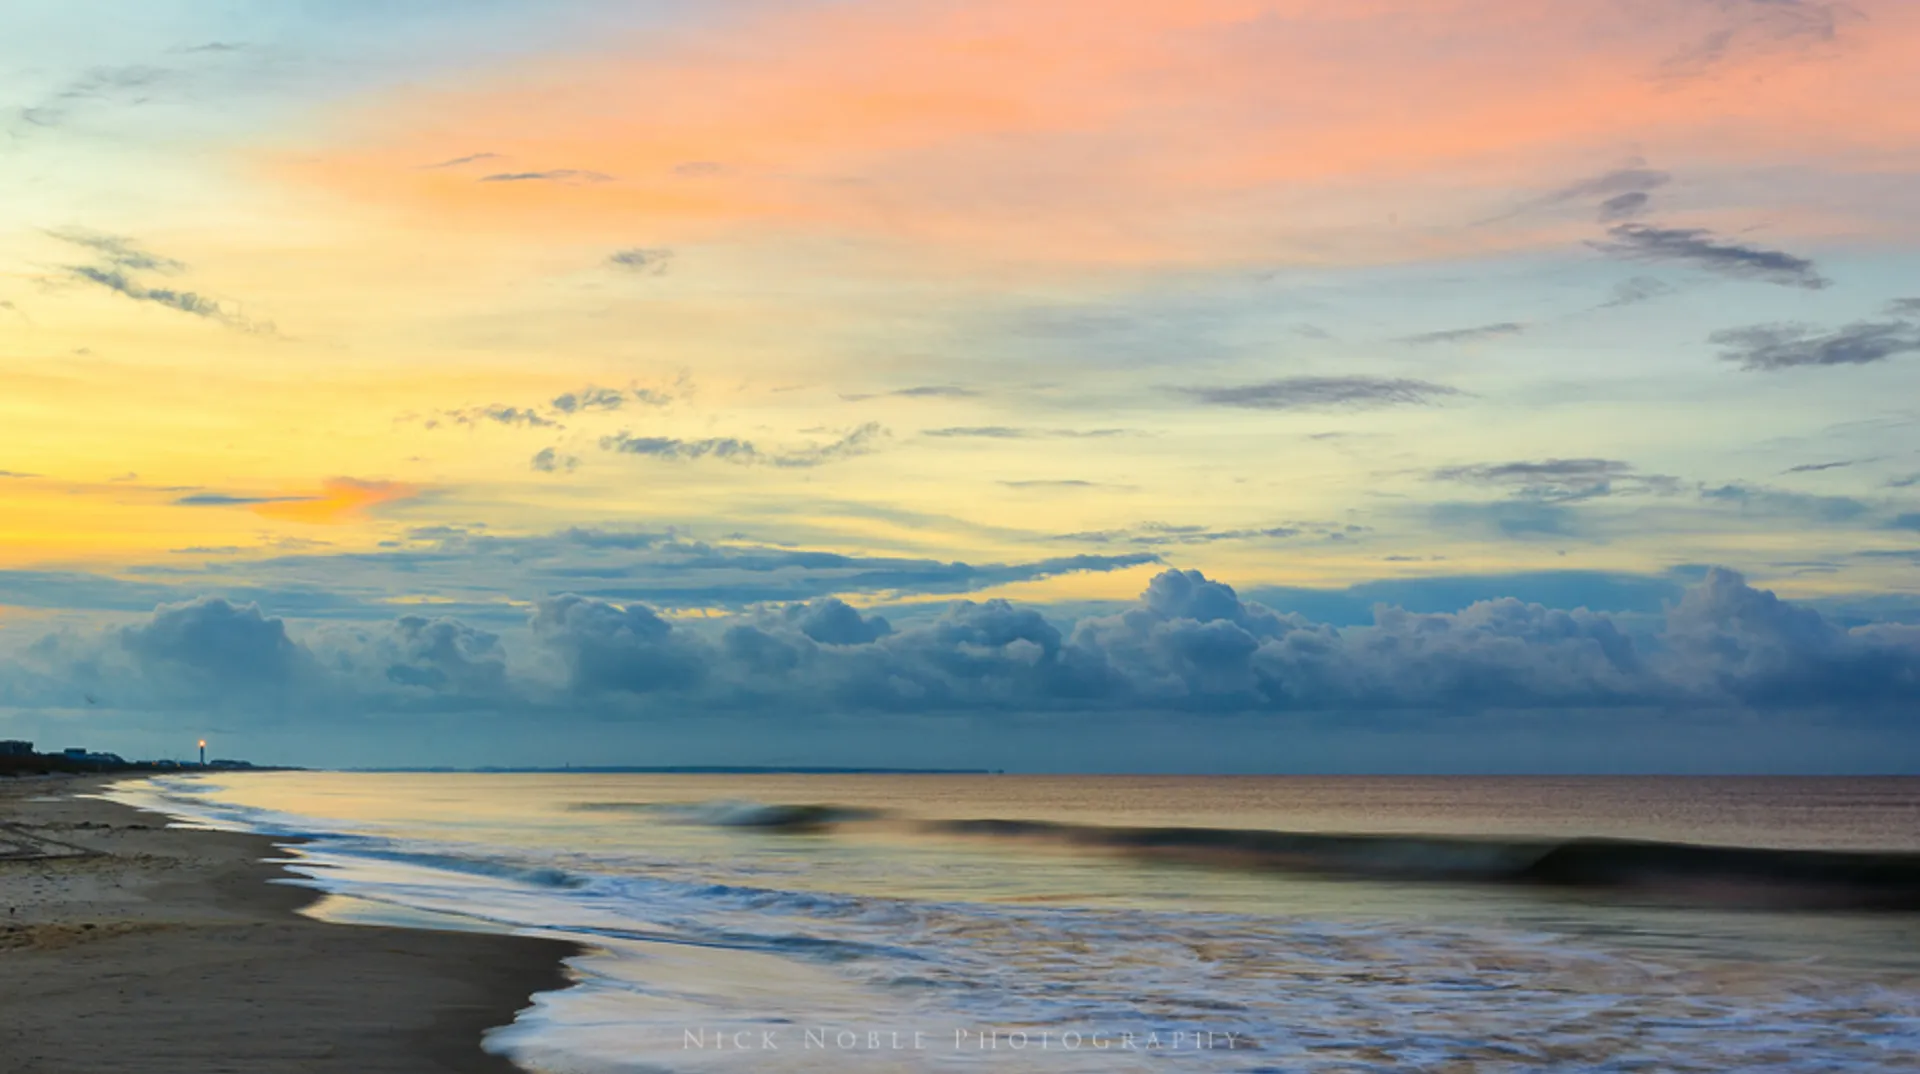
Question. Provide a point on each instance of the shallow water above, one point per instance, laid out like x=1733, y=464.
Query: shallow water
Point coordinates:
x=733, y=933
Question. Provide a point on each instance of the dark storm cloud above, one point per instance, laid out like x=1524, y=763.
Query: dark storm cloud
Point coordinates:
x=1322, y=393
x=555, y=175
x=861, y=441
x=1558, y=480
x=1772, y=347
x=1467, y=335
x=1702, y=249
x=642, y=260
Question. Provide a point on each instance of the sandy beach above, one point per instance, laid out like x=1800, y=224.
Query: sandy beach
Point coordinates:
x=125, y=946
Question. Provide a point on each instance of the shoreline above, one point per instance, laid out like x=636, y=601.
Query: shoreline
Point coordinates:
x=129, y=946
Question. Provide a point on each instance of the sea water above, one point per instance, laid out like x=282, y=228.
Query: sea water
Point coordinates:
x=1109, y=924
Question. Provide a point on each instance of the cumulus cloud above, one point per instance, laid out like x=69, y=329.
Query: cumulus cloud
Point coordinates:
x=1192, y=643
x=1699, y=248
x=1323, y=393
x=1772, y=347
x=1187, y=644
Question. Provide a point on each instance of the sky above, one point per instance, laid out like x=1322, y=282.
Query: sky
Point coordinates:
x=1371, y=385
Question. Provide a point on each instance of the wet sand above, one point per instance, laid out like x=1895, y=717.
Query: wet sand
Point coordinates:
x=125, y=946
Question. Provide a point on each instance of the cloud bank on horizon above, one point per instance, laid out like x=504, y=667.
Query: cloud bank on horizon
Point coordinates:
x=406, y=356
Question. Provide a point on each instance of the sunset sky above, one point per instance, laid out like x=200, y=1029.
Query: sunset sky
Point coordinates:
x=498, y=381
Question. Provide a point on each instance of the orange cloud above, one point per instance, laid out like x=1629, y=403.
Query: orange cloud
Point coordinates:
x=1150, y=130
x=338, y=500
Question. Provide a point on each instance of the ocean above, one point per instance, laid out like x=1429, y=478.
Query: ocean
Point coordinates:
x=1109, y=924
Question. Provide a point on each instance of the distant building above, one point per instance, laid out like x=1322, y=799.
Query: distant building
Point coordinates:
x=86, y=756
x=14, y=747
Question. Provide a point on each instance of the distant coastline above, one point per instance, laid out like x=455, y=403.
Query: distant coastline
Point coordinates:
x=696, y=770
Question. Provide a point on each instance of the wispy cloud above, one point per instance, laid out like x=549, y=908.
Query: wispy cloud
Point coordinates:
x=1702, y=249
x=1467, y=335
x=1558, y=480
x=1017, y=432
x=129, y=84
x=922, y=391
x=1772, y=347
x=117, y=258
x=861, y=441
x=555, y=175
x=1816, y=467
x=1635, y=290
x=1756, y=26
x=1165, y=534
x=222, y=499
x=642, y=260
x=502, y=415
x=1624, y=206
x=471, y=158
x=1323, y=393
x=551, y=461
x=1800, y=505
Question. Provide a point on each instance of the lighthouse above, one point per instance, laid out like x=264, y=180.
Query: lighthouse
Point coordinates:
x=203, y=753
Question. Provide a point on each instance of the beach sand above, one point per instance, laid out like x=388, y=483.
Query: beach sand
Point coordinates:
x=126, y=946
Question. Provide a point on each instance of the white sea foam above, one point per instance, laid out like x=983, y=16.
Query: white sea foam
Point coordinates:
x=713, y=954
